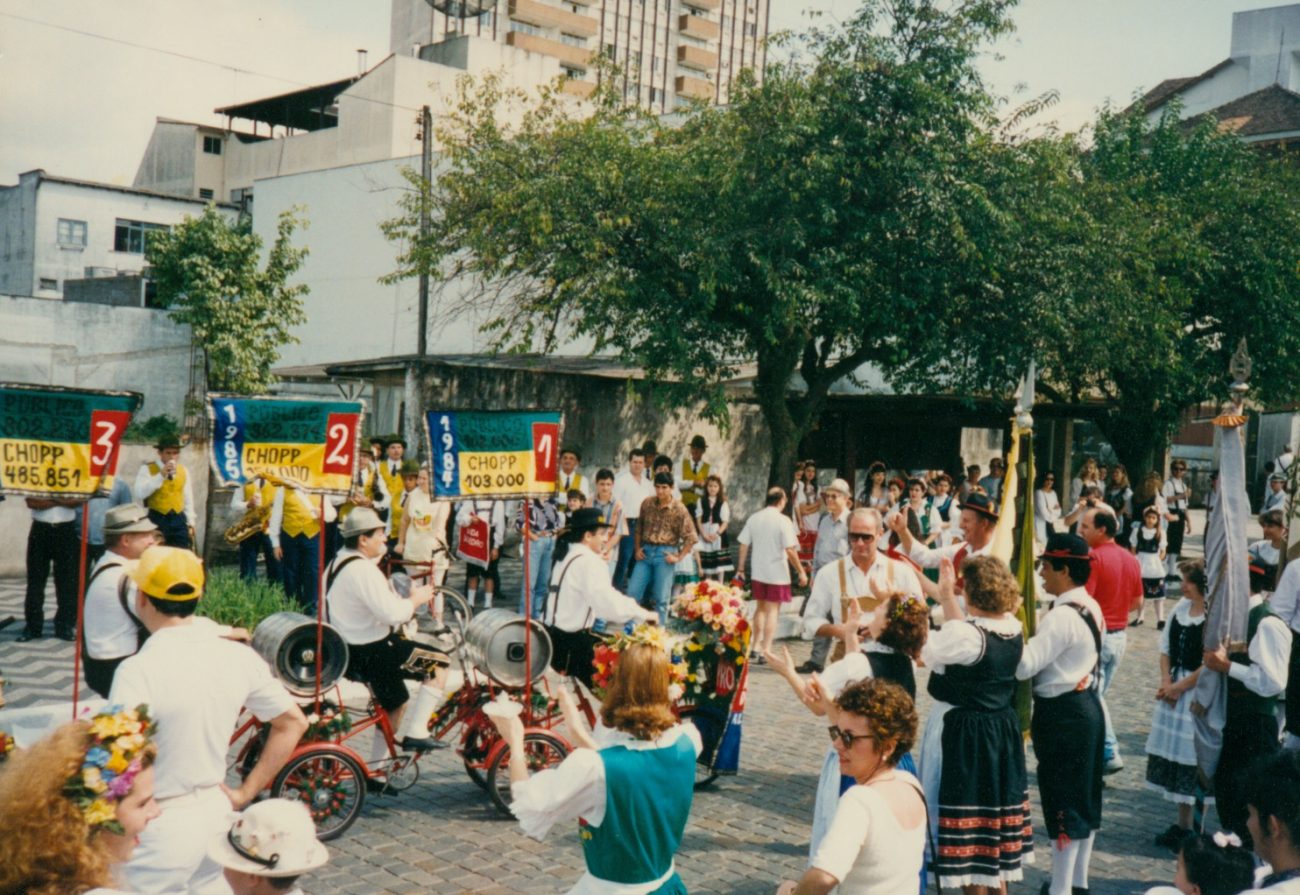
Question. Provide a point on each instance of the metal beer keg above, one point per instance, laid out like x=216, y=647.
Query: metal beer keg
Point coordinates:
x=494, y=643
x=287, y=641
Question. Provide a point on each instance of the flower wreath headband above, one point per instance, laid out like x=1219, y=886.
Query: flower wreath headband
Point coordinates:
x=118, y=740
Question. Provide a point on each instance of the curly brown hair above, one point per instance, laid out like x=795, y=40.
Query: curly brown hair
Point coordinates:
x=637, y=699
x=908, y=625
x=47, y=848
x=990, y=586
x=889, y=712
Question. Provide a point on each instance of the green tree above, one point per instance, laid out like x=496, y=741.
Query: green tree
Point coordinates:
x=821, y=221
x=207, y=270
x=1136, y=262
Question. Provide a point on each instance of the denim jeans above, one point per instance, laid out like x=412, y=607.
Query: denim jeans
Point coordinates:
x=301, y=569
x=626, y=557
x=1112, y=651
x=652, y=579
x=540, y=552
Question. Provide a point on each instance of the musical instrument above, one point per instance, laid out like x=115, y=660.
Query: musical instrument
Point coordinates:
x=248, y=525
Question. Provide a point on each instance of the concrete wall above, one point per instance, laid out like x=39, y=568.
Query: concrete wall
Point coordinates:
x=18, y=237
x=168, y=165
x=96, y=346
x=15, y=518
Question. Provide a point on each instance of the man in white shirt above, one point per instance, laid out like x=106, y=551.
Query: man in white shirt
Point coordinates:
x=1069, y=729
x=865, y=573
x=979, y=516
x=163, y=486
x=582, y=602
x=1285, y=603
x=569, y=478
x=1275, y=499
x=832, y=544
x=631, y=489
x=362, y=606
x=775, y=544
x=112, y=632
x=195, y=684
x=51, y=541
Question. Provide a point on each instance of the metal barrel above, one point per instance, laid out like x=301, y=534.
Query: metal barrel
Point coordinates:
x=287, y=641
x=494, y=643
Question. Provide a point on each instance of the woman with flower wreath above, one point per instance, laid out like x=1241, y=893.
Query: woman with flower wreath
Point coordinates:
x=74, y=805
x=631, y=793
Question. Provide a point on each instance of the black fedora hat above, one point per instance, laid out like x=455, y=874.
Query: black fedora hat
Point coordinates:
x=982, y=504
x=587, y=519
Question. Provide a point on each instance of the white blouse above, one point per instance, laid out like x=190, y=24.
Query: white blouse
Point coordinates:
x=866, y=848
x=1047, y=506
x=576, y=789
x=958, y=643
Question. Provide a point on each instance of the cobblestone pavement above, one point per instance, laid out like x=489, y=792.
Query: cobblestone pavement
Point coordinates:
x=746, y=832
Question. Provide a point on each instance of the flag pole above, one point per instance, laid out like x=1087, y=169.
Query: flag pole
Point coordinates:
x=81, y=608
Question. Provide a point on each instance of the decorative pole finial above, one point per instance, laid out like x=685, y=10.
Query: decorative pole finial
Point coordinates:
x=1233, y=414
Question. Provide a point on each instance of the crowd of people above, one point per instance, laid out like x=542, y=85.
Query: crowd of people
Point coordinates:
x=899, y=577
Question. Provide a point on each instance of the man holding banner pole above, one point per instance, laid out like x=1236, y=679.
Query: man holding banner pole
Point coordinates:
x=51, y=541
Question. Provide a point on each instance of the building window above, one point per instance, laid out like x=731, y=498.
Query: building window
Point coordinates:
x=656, y=95
x=751, y=29
x=49, y=285
x=572, y=73
x=692, y=10
x=573, y=40
x=72, y=234
x=205, y=194
x=132, y=236
x=525, y=28
x=212, y=145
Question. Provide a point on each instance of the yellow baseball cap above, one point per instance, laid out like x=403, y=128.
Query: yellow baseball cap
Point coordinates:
x=169, y=573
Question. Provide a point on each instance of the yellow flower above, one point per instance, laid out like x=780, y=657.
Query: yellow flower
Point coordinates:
x=130, y=744
x=99, y=812
x=94, y=782
x=118, y=763
x=107, y=726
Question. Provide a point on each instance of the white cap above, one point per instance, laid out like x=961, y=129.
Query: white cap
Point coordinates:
x=275, y=837
x=841, y=486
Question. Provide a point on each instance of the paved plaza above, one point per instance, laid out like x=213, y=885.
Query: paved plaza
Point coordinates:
x=746, y=834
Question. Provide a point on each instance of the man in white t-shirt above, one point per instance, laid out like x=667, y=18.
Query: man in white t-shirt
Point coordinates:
x=832, y=544
x=771, y=535
x=631, y=488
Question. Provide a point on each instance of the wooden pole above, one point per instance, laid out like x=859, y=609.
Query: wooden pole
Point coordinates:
x=320, y=597
x=81, y=608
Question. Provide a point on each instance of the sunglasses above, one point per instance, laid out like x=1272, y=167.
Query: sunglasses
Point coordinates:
x=861, y=536
x=848, y=739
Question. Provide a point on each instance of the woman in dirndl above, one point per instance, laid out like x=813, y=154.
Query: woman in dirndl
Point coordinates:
x=712, y=516
x=1171, y=745
x=629, y=785
x=972, y=758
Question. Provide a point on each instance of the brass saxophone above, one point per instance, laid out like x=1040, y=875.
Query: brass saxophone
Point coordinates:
x=248, y=524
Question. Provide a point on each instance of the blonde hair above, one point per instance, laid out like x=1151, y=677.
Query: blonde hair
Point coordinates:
x=990, y=586
x=637, y=700
x=46, y=847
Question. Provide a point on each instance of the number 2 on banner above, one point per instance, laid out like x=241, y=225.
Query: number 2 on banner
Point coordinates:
x=340, y=443
x=545, y=451
x=106, y=428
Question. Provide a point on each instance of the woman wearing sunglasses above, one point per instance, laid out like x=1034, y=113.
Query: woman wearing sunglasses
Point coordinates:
x=876, y=843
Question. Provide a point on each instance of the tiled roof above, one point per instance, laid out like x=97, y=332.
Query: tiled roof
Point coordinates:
x=1158, y=95
x=1273, y=110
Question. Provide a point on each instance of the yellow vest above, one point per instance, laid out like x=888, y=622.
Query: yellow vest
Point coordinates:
x=367, y=490
x=298, y=518
x=170, y=498
x=699, y=477
x=576, y=482
x=268, y=497
x=395, y=489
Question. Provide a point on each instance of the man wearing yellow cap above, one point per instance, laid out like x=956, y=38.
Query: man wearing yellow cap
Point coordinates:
x=195, y=684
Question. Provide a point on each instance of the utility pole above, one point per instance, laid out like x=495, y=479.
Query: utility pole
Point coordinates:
x=426, y=175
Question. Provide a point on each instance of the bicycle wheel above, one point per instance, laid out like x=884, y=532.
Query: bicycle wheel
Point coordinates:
x=710, y=735
x=543, y=750
x=456, y=612
x=331, y=784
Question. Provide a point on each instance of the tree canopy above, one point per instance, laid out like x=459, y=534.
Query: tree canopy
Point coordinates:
x=207, y=270
x=863, y=204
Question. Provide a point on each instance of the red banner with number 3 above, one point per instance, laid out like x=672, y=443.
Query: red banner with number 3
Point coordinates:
x=106, y=430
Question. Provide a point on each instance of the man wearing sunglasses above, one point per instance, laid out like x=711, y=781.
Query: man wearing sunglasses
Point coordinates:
x=866, y=573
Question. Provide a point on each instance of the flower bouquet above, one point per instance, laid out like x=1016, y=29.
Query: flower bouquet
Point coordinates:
x=330, y=723
x=712, y=619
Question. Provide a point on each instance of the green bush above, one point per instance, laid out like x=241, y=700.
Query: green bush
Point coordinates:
x=152, y=429
x=229, y=600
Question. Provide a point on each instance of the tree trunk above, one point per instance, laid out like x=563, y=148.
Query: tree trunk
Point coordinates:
x=771, y=387
x=1139, y=437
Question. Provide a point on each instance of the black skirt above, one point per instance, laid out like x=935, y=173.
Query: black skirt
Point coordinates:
x=1069, y=734
x=1174, y=533
x=573, y=653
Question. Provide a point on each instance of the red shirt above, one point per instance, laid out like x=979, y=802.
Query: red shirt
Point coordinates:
x=1116, y=583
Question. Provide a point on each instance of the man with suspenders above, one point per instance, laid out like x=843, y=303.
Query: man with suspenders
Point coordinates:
x=111, y=632
x=865, y=576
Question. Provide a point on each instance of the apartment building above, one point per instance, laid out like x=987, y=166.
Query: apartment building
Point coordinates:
x=669, y=51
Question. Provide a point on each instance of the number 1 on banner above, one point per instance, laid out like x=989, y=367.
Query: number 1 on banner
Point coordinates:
x=545, y=452
x=340, y=443
x=106, y=428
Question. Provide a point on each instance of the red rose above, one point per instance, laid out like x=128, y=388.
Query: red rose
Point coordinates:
x=716, y=608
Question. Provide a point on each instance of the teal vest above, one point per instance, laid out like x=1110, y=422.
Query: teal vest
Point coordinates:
x=1242, y=700
x=648, y=795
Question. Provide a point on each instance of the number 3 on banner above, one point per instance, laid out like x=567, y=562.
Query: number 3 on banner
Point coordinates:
x=545, y=436
x=106, y=428
x=340, y=443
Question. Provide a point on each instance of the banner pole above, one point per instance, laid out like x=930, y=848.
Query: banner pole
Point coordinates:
x=528, y=613
x=320, y=597
x=81, y=608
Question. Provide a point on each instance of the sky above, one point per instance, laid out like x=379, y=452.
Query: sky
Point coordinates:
x=83, y=106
